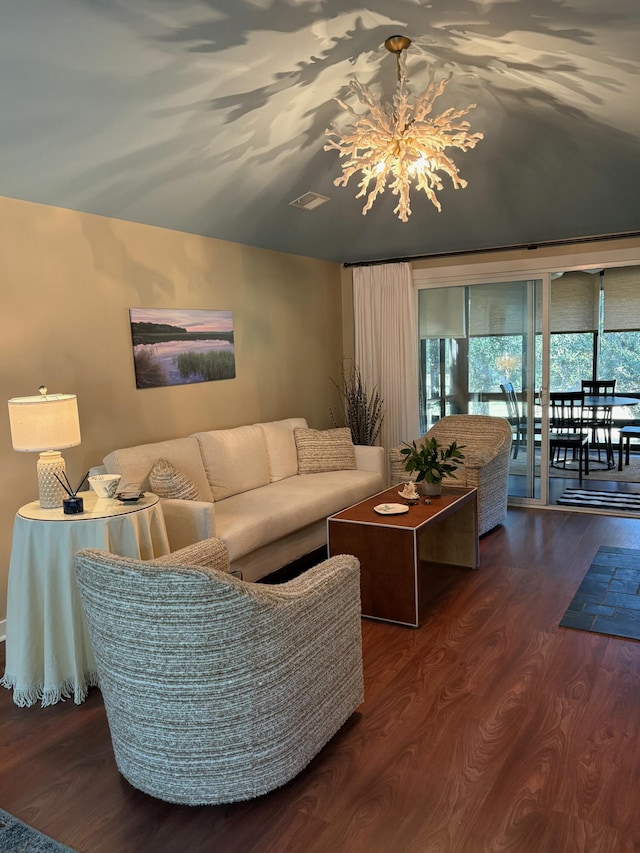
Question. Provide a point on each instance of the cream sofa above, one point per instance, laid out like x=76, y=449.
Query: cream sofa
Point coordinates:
x=249, y=491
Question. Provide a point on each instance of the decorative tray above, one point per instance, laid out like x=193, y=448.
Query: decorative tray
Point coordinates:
x=391, y=509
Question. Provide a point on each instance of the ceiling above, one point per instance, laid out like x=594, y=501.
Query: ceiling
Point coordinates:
x=209, y=117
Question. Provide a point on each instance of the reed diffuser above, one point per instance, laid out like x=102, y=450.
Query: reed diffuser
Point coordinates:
x=73, y=505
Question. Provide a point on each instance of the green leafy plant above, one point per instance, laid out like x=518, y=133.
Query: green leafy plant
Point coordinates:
x=432, y=460
x=362, y=409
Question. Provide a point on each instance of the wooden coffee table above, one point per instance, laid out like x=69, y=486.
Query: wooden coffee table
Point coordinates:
x=395, y=550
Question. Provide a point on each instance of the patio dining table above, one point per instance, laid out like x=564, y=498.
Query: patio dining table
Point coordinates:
x=609, y=401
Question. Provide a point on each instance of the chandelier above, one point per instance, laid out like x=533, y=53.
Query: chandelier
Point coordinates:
x=401, y=143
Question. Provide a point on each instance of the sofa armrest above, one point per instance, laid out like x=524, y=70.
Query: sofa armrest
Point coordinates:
x=370, y=458
x=211, y=554
x=188, y=521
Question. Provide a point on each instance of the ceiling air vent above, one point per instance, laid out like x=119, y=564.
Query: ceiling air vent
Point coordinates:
x=309, y=201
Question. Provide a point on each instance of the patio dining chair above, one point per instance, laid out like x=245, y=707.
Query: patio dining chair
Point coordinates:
x=514, y=416
x=568, y=436
x=599, y=419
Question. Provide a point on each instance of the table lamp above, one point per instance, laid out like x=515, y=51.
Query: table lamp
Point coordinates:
x=48, y=423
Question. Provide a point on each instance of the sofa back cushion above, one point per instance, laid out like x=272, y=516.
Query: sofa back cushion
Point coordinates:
x=281, y=447
x=135, y=463
x=324, y=450
x=235, y=460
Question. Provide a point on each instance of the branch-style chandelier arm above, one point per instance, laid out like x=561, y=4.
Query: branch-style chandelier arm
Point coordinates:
x=401, y=144
x=379, y=187
x=424, y=102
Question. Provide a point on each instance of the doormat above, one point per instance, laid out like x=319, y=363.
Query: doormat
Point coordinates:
x=608, y=599
x=18, y=837
x=627, y=501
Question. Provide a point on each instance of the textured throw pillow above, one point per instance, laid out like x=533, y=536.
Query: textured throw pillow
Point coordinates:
x=167, y=482
x=324, y=450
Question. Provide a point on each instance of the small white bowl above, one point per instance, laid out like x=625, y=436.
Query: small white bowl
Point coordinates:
x=105, y=485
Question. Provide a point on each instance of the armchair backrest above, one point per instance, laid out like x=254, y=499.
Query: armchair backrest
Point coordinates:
x=475, y=432
x=216, y=689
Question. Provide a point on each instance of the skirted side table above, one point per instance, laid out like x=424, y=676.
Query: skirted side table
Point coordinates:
x=49, y=656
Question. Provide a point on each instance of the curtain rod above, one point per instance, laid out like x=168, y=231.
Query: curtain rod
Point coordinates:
x=544, y=244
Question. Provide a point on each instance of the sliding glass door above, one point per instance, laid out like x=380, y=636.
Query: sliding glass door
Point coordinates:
x=595, y=337
x=497, y=336
x=480, y=349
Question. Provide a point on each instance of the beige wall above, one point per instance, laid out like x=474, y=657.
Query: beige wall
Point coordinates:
x=68, y=280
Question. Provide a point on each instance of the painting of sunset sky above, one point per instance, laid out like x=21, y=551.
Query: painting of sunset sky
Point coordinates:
x=178, y=346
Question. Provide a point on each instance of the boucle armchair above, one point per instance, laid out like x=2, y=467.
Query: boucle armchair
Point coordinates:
x=216, y=689
x=487, y=448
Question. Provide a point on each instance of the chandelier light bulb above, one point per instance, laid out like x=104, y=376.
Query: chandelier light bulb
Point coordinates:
x=401, y=143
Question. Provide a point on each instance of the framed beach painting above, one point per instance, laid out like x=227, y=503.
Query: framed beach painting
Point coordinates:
x=178, y=346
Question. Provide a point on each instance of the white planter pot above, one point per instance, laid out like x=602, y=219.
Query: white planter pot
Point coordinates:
x=429, y=489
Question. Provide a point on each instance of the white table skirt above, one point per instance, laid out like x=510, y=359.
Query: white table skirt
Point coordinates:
x=49, y=655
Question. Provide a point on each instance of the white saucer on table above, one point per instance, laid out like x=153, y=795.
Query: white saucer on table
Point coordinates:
x=391, y=509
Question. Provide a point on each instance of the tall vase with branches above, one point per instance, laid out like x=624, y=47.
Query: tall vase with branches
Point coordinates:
x=362, y=409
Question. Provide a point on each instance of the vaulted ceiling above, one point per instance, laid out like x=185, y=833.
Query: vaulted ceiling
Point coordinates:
x=209, y=117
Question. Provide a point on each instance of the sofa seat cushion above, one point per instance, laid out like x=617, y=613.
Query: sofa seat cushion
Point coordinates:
x=135, y=463
x=281, y=447
x=253, y=519
x=235, y=460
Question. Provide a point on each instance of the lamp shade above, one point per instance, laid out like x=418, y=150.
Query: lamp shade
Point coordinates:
x=48, y=422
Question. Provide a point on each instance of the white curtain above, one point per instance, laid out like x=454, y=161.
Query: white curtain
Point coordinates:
x=386, y=345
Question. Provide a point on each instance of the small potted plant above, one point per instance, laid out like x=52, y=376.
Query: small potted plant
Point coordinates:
x=432, y=461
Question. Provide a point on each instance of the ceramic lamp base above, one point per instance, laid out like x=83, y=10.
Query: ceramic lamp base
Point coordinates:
x=50, y=492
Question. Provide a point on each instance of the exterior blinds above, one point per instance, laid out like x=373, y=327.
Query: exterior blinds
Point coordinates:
x=621, y=299
x=575, y=302
x=494, y=309
x=498, y=309
x=442, y=312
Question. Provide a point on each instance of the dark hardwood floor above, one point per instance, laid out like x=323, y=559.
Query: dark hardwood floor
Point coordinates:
x=488, y=729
